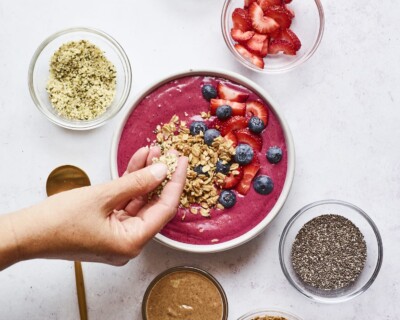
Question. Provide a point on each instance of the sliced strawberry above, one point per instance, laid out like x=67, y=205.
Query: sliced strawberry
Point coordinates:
x=231, y=137
x=276, y=46
x=247, y=3
x=256, y=43
x=261, y=23
x=289, y=35
x=287, y=1
x=281, y=15
x=228, y=93
x=241, y=19
x=238, y=109
x=253, y=140
x=264, y=4
x=214, y=123
x=249, y=172
x=252, y=58
x=240, y=36
x=264, y=49
x=234, y=123
x=291, y=11
x=256, y=108
x=232, y=180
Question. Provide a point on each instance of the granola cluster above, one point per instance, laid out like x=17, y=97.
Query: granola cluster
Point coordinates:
x=201, y=191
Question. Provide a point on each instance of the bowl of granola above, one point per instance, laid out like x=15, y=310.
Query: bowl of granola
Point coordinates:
x=240, y=150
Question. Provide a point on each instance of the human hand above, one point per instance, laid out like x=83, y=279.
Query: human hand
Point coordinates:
x=107, y=223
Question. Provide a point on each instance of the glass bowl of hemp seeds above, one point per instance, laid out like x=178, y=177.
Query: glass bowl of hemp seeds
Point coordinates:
x=331, y=251
x=80, y=78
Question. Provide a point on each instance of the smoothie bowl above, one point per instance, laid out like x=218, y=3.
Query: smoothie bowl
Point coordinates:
x=241, y=155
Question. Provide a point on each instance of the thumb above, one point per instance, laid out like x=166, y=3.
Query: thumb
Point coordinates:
x=135, y=184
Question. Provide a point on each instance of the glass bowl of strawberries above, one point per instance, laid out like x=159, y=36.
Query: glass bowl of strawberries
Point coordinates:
x=272, y=36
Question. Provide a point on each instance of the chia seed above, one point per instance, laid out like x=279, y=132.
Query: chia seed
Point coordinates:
x=329, y=252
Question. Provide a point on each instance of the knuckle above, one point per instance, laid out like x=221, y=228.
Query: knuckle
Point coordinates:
x=139, y=181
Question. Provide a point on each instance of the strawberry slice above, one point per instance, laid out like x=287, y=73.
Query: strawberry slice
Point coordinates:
x=287, y=1
x=256, y=108
x=253, y=140
x=264, y=4
x=281, y=15
x=252, y=58
x=241, y=19
x=261, y=23
x=249, y=172
x=231, y=137
x=240, y=36
x=228, y=93
x=247, y=3
x=238, y=109
x=256, y=43
x=290, y=36
x=234, y=123
x=231, y=180
x=291, y=11
x=264, y=49
x=276, y=46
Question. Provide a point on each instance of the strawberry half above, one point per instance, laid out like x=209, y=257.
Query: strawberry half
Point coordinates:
x=289, y=35
x=261, y=23
x=231, y=137
x=234, y=123
x=232, y=180
x=240, y=36
x=241, y=19
x=264, y=4
x=253, y=140
x=249, y=172
x=277, y=45
x=281, y=15
x=256, y=43
x=256, y=108
x=228, y=93
x=238, y=109
x=252, y=58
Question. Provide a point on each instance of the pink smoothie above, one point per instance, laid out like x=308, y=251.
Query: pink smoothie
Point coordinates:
x=183, y=97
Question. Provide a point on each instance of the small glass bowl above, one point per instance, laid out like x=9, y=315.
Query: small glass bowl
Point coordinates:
x=268, y=312
x=40, y=66
x=372, y=238
x=308, y=25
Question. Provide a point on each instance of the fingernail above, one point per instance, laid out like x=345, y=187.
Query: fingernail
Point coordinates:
x=159, y=171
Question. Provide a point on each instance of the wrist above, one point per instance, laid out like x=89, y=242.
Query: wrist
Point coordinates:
x=9, y=249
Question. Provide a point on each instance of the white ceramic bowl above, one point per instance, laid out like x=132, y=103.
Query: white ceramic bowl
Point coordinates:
x=290, y=158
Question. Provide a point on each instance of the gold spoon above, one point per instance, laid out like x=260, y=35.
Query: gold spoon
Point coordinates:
x=62, y=179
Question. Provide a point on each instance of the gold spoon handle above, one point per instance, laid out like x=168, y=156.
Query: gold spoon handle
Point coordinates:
x=80, y=288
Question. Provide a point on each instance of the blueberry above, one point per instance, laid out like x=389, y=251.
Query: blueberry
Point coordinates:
x=224, y=112
x=263, y=184
x=209, y=92
x=222, y=167
x=199, y=170
x=244, y=154
x=256, y=125
x=227, y=198
x=196, y=127
x=210, y=135
x=274, y=154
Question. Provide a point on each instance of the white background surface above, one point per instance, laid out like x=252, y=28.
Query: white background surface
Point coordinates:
x=342, y=107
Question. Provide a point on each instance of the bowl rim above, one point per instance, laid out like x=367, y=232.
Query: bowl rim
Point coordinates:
x=291, y=66
x=256, y=312
x=211, y=248
x=94, y=123
x=290, y=223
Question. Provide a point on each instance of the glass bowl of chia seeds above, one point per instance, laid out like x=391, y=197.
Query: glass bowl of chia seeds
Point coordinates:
x=79, y=78
x=331, y=251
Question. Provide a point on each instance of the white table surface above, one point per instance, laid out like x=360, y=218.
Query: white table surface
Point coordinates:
x=342, y=107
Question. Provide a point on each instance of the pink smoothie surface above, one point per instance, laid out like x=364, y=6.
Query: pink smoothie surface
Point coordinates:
x=183, y=97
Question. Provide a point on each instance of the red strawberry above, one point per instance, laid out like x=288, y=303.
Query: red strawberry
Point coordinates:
x=261, y=23
x=281, y=15
x=290, y=36
x=241, y=19
x=238, y=109
x=228, y=93
x=264, y=49
x=249, y=172
x=247, y=3
x=276, y=46
x=231, y=137
x=256, y=108
x=232, y=180
x=240, y=36
x=264, y=4
x=291, y=11
x=234, y=123
x=287, y=1
x=252, y=58
x=256, y=43
x=253, y=140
